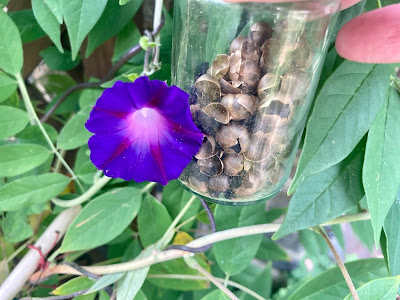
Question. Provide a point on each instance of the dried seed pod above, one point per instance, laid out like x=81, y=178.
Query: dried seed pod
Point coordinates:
x=259, y=148
x=207, y=149
x=237, y=44
x=251, y=185
x=228, y=88
x=295, y=84
x=219, y=183
x=235, y=182
x=302, y=56
x=210, y=166
x=250, y=51
x=235, y=61
x=260, y=32
x=199, y=182
x=275, y=107
x=275, y=53
x=218, y=112
x=233, y=164
x=233, y=134
x=208, y=89
x=219, y=67
x=193, y=109
x=276, y=173
x=250, y=74
x=264, y=123
x=267, y=84
x=239, y=106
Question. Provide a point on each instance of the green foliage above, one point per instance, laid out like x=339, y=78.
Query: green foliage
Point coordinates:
x=12, y=121
x=58, y=61
x=27, y=25
x=74, y=285
x=235, y=255
x=31, y=190
x=7, y=86
x=216, y=295
x=15, y=227
x=343, y=112
x=80, y=17
x=11, y=57
x=381, y=171
x=391, y=226
x=109, y=213
x=382, y=288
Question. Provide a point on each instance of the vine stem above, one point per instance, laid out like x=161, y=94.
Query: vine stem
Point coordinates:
x=161, y=256
x=35, y=120
x=156, y=23
x=340, y=263
x=198, y=277
x=192, y=263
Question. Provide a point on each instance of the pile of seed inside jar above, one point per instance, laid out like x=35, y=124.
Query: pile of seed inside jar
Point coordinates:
x=244, y=104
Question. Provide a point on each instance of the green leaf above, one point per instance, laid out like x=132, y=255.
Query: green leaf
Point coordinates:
x=74, y=134
x=3, y=3
x=216, y=295
x=153, y=221
x=178, y=266
x=11, y=57
x=392, y=225
x=112, y=21
x=175, y=198
x=85, y=297
x=31, y=190
x=89, y=97
x=127, y=39
x=381, y=171
x=123, y=77
x=27, y=25
x=324, y=196
x=20, y=158
x=15, y=227
x=129, y=286
x=48, y=21
x=33, y=134
x=262, y=284
x=80, y=17
x=7, y=86
x=105, y=281
x=269, y=250
x=58, y=61
x=103, y=295
x=382, y=289
x=74, y=285
x=331, y=284
x=343, y=112
x=235, y=255
x=123, y=2
x=109, y=214
x=12, y=121
x=56, y=8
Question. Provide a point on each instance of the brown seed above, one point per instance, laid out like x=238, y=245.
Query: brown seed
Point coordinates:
x=302, y=56
x=260, y=32
x=219, y=67
x=219, y=184
x=210, y=166
x=235, y=61
x=250, y=74
x=250, y=51
x=198, y=184
x=233, y=164
x=237, y=44
x=208, y=89
x=259, y=148
x=218, y=112
x=207, y=149
x=239, y=106
x=295, y=84
x=233, y=134
x=264, y=123
x=193, y=109
x=267, y=85
x=228, y=88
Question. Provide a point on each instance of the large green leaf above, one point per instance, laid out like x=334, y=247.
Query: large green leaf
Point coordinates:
x=127, y=39
x=325, y=196
x=56, y=60
x=15, y=227
x=269, y=250
x=112, y=21
x=74, y=285
x=331, y=285
x=153, y=221
x=27, y=25
x=74, y=134
x=11, y=57
x=382, y=289
x=31, y=190
x=343, y=112
x=12, y=121
x=381, y=171
x=174, y=199
x=80, y=17
x=105, y=281
x=47, y=21
x=391, y=227
x=89, y=97
x=20, y=158
x=261, y=284
x=7, y=86
x=109, y=214
x=56, y=8
x=33, y=134
x=235, y=255
x=216, y=295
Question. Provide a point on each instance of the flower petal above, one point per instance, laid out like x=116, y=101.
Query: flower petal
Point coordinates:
x=373, y=37
x=143, y=131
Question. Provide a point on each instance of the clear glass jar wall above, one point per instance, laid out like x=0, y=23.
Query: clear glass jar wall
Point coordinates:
x=251, y=70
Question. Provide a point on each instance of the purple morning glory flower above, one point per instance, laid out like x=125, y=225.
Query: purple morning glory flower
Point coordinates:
x=143, y=130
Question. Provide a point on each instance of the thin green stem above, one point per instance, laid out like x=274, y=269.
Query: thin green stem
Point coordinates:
x=192, y=218
x=147, y=187
x=35, y=120
x=84, y=197
x=378, y=2
x=20, y=249
x=199, y=277
x=156, y=22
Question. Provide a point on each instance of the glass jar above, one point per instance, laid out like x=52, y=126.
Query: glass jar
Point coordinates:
x=251, y=70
